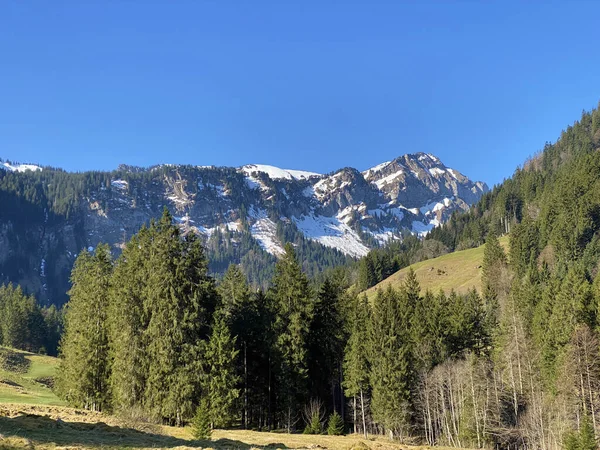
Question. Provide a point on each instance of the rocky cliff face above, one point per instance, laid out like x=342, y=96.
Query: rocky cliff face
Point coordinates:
x=348, y=211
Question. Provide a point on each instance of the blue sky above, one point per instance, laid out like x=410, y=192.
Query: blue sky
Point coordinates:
x=306, y=85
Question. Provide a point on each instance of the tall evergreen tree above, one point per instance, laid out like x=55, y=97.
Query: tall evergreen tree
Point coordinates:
x=83, y=377
x=325, y=346
x=222, y=381
x=292, y=298
x=494, y=264
x=180, y=299
x=391, y=361
x=128, y=321
x=356, y=363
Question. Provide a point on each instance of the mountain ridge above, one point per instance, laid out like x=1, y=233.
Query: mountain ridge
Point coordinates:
x=245, y=214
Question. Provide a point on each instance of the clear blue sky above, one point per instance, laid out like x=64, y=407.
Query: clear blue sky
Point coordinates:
x=307, y=85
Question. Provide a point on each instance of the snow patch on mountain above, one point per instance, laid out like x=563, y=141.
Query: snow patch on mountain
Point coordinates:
x=436, y=171
x=20, y=167
x=331, y=232
x=264, y=230
x=377, y=168
x=383, y=181
x=422, y=229
x=275, y=173
x=329, y=184
x=436, y=206
x=119, y=184
x=382, y=236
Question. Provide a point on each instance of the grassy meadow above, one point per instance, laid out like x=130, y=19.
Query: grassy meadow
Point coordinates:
x=460, y=271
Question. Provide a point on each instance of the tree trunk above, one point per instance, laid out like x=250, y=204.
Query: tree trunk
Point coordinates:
x=362, y=407
x=245, y=387
x=354, y=415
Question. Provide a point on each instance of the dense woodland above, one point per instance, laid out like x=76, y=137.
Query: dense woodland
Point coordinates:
x=27, y=326
x=516, y=365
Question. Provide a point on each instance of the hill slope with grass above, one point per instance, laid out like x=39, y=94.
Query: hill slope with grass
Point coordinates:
x=460, y=271
x=27, y=378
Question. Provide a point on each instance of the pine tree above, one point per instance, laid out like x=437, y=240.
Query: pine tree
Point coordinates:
x=128, y=321
x=233, y=291
x=391, y=361
x=292, y=298
x=335, y=426
x=83, y=375
x=221, y=386
x=180, y=299
x=583, y=439
x=201, y=422
x=53, y=320
x=15, y=309
x=356, y=364
x=325, y=344
x=239, y=310
x=412, y=288
x=429, y=330
x=494, y=262
x=571, y=306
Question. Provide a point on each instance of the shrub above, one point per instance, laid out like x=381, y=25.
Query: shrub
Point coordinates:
x=335, y=427
x=201, y=423
x=313, y=416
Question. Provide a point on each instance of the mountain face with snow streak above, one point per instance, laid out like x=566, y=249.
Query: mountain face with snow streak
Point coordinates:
x=348, y=211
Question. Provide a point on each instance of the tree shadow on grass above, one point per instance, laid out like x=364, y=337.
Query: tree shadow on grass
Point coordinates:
x=233, y=444
x=41, y=430
x=44, y=430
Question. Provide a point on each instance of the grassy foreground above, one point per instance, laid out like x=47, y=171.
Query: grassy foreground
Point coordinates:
x=53, y=427
x=460, y=271
x=32, y=417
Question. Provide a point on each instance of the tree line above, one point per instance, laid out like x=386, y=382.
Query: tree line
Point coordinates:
x=25, y=325
x=153, y=331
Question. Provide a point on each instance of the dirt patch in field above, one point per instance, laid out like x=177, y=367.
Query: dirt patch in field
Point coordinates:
x=46, y=382
x=12, y=361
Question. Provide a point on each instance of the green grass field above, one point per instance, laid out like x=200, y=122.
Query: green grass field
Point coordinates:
x=29, y=387
x=460, y=271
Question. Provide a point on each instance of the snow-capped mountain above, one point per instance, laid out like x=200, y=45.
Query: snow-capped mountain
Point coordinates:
x=348, y=210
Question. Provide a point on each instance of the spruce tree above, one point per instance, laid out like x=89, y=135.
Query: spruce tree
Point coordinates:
x=221, y=386
x=83, y=376
x=335, y=426
x=325, y=344
x=494, y=263
x=179, y=298
x=292, y=299
x=391, y=360
x=233, y=291
x=201, y=428
x=356, y=364
x=128, y=321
